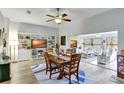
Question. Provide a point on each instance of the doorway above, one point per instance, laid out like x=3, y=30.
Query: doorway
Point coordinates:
x=99, y=49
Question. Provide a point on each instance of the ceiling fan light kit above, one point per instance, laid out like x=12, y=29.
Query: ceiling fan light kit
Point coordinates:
x=58, y=18
x=58, y=21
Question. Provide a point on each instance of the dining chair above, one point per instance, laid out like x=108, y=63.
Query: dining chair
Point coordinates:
x=72, y=68
x=49, y=50
x=68, y=52
x=50, y=66
x=61, y=52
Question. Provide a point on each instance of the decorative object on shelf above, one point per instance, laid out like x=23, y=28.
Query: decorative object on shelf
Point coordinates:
x=33, y=45
x=57, y=47
x=4, y=42
x=37, y=53
x=51, y=42
x=24, y=41
x=27, y=37
x=63, y=40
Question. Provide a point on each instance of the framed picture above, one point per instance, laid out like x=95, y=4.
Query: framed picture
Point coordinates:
x=73, y=43
x=63, y=40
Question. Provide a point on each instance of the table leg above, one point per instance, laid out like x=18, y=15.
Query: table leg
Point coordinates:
x=61, y=72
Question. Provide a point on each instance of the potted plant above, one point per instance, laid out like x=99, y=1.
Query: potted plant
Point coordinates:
x=5, y=57
x=57, y=47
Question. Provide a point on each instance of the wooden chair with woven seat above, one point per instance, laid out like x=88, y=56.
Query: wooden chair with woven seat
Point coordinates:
x=72, y=68
x=49, y=50
x=68, y=52
x=61, y=52
x=50, y=66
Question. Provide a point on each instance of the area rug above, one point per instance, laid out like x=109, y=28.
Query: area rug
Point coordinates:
x=42, y=78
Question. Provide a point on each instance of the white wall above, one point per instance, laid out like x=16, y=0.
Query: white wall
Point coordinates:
x=6, y=24
x=112, y=20
x=13, y=31
x=1, y=27
x=6, y=27
x=75, y=27
x=16, y=27
x=13, y=39
x=37, y=29
x=1, y=20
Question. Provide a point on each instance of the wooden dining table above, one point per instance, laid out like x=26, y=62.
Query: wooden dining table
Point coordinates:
x=60, y=60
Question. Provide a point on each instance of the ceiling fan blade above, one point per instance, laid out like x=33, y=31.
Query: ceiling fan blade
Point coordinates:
x=64, y=15
x=69, y=20
x=49, y=20
x=50, y=16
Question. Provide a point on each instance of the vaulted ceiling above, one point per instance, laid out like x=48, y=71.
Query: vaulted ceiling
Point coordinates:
x=38, y=15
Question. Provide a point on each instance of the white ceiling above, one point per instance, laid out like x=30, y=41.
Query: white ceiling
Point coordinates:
x=38, y=15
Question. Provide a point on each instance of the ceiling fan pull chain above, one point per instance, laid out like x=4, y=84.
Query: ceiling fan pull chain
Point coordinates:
x=59, y=17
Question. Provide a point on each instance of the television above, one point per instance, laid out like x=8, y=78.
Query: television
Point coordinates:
x=39, y=43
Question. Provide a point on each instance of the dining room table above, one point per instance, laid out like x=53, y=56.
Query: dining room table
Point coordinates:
x=60, y=60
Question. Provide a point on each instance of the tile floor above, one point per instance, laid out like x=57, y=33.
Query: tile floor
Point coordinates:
x=22, y=73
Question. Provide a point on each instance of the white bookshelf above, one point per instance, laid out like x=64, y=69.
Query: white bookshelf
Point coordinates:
x=33, y=53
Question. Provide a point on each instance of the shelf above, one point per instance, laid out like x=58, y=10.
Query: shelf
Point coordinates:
x=25, y=44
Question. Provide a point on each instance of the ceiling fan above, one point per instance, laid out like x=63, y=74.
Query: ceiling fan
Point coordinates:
x=58, y=18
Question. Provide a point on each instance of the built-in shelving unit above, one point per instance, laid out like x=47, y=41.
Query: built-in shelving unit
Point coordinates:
x=25, y=45
x=51, y=41
x=24, y=41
